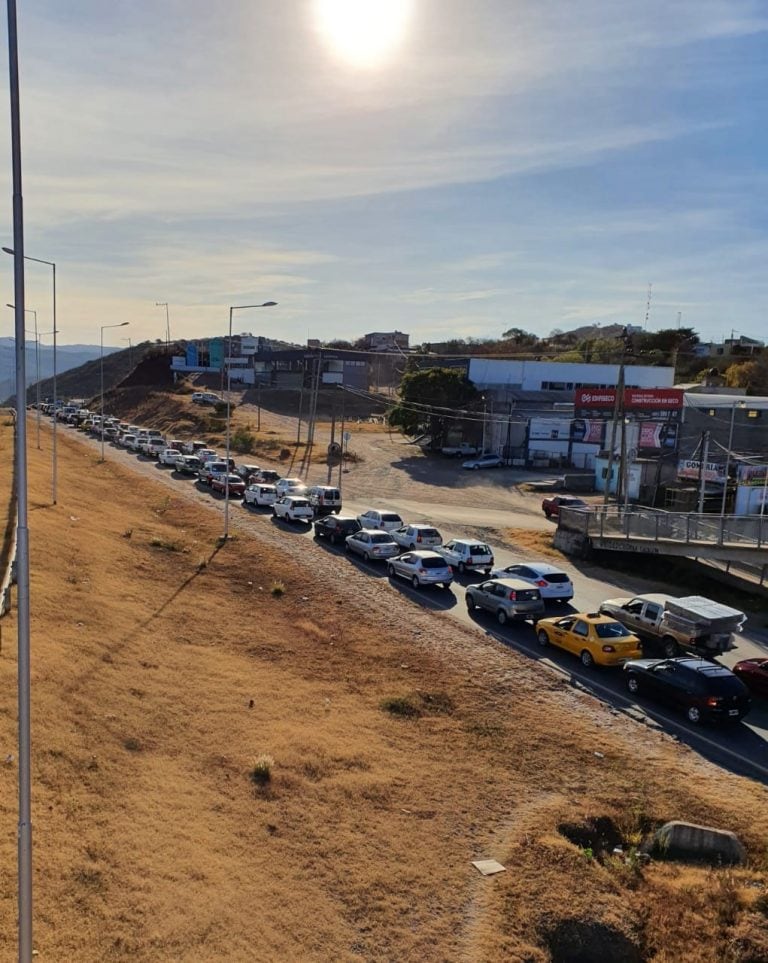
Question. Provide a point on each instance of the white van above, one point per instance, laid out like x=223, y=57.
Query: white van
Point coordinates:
x=324, y=499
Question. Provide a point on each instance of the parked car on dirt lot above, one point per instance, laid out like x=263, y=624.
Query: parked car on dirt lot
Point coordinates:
x=284, y=486
x=372, y=545
x=551, y=506
x=551, y=581
x=705, y=690
x=261, y=495
x=508, y=598
x=484, y=461
x=754, y=674
x=336, y=527
x=422, y=568
x=595, y=638
x=154, y=447
x=193, y=447
x=293, y=508
x=246, y=471
x=462, y=450
x=465, y=554
x=126, y=441
x=210, y=470
x=418, y=535
x=267, y=476
x=384, y=521
x=219, y=483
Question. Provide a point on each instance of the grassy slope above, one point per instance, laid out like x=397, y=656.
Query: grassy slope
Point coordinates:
x=152, y=843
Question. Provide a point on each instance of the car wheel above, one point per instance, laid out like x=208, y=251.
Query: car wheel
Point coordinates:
x=475, y=467
x=586, y=659
x=542, y=637
x=391, y=571
x=633, y=684
x=669, y=646
x=366, y=557
x=411, y=547
x=334, y=539
x=548, y=513
x=693, y=714
x=470, y=603
x=462, y=568
x=501, y=617
x=274, y=513
x=347, y=549
x=415, y=582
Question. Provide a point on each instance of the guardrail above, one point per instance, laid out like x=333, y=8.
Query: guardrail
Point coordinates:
x=608, y=526
x=8, y=546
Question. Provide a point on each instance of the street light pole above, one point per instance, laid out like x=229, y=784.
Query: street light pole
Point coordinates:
x=104, y=327
x=54, y=472
x=233, y=308
x=164, y=304
x=22, y=525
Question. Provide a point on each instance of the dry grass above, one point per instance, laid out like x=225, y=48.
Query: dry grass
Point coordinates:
x=161, y=679
x=537, y=542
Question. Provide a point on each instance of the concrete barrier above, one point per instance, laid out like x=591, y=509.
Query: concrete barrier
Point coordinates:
x=681, y=840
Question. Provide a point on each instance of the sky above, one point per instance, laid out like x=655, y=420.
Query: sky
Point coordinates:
x=445, y=168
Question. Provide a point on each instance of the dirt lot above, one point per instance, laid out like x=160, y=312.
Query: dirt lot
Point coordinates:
x=401, y=747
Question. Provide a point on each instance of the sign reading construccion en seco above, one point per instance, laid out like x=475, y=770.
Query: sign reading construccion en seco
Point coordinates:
x=655, y=399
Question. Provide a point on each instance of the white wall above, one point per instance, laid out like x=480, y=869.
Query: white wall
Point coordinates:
x=529, y=375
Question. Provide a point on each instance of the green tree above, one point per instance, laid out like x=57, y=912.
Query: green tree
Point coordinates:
x=518, y=336
x=430, y=400
x=752, y=375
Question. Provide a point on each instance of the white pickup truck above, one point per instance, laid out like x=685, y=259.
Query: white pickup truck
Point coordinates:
x=693, y=623
x=463, y=450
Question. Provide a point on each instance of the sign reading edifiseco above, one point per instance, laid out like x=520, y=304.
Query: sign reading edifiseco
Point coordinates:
x=656, y=399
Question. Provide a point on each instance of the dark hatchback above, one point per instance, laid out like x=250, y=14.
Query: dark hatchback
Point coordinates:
x=336, y=527
x=704, y=689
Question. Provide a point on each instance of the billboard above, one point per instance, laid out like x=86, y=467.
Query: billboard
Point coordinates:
x=590, y=431
x=549, y=429
x=657, y=435
x=753, y=476
x=191, y=356
x=216, y=351
x=690, y=468
x=635, y=399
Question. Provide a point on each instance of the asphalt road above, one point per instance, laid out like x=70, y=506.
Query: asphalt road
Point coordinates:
x=741, y=748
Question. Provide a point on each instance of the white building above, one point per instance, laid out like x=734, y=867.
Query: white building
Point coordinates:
x=488, y=373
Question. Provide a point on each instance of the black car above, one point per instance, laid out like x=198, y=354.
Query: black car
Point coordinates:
x=336, y=527
x=706, y=690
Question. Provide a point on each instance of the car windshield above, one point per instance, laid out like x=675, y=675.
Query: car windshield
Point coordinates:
x=427, y=532
x=725, y=685
x=554, y=578
x=432, y=562
x=479, y=550
x=300, y=503
x=611, y=630
x=390, y=517
x=380, y=537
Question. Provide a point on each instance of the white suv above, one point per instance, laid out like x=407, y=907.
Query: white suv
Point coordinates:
x=467, y=555
x=292, y=508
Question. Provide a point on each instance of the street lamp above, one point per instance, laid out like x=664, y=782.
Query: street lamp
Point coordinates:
x=37, y=373
x=164, y=304
x=236, y=307
x=734, y=406
x=39, y=260
x=130, y=352
x=104, y=327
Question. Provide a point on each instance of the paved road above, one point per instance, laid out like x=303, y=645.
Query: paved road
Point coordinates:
x=742, y=748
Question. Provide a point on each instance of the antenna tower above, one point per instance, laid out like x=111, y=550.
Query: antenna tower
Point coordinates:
x=647, y=308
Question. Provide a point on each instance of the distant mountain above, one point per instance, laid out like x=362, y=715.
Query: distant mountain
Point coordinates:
x=68, y=356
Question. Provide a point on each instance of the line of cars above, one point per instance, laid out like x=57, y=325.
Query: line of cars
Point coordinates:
x=416, y=552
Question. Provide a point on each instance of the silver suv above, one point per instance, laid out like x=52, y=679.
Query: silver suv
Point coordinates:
x=507, y=598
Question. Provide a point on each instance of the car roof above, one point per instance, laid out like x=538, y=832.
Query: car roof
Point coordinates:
x=544, y=568
x=425, y=553
x=419, y=525
x=703, y=666
x=514, y=583
x=469, y=541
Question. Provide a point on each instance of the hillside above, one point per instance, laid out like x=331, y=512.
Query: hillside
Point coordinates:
x=68, y=356
x=311, y=779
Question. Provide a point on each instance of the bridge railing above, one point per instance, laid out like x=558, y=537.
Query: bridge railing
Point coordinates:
x=656, y=524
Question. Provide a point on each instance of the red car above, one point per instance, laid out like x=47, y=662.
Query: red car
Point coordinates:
x=236, y=485
x=754, y=674
x=551, y=506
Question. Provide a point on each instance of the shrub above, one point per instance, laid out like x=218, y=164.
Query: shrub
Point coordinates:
x=261, y=771
x=167, y=544
x=244, y=440
x=402, y=706
x=285, y=453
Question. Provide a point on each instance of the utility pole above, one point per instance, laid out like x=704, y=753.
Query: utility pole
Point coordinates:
x=704, y=455
x=258, y=406
x=343, y=443
x=333, y=440
x=618, y=408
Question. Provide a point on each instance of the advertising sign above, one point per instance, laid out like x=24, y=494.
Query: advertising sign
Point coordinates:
x=635, y=399
x=601, y=399
x=752, y=475
x=191, y=355
x=549, y=429
x=590, y=431
x=657, y=435
x=216, y=349
x=690, y=467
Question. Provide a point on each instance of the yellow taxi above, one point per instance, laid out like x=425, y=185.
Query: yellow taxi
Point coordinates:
x=595, y=638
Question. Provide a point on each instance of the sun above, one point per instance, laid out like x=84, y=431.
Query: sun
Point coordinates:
x=364, y=33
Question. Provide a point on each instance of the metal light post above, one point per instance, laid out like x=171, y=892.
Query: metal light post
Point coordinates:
x=735, y=404
x=22, y=525
x=104, y=327
x=236, y=307
x=164, y=304
x=130, y=352
x=37, y=372
x=51, y=264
